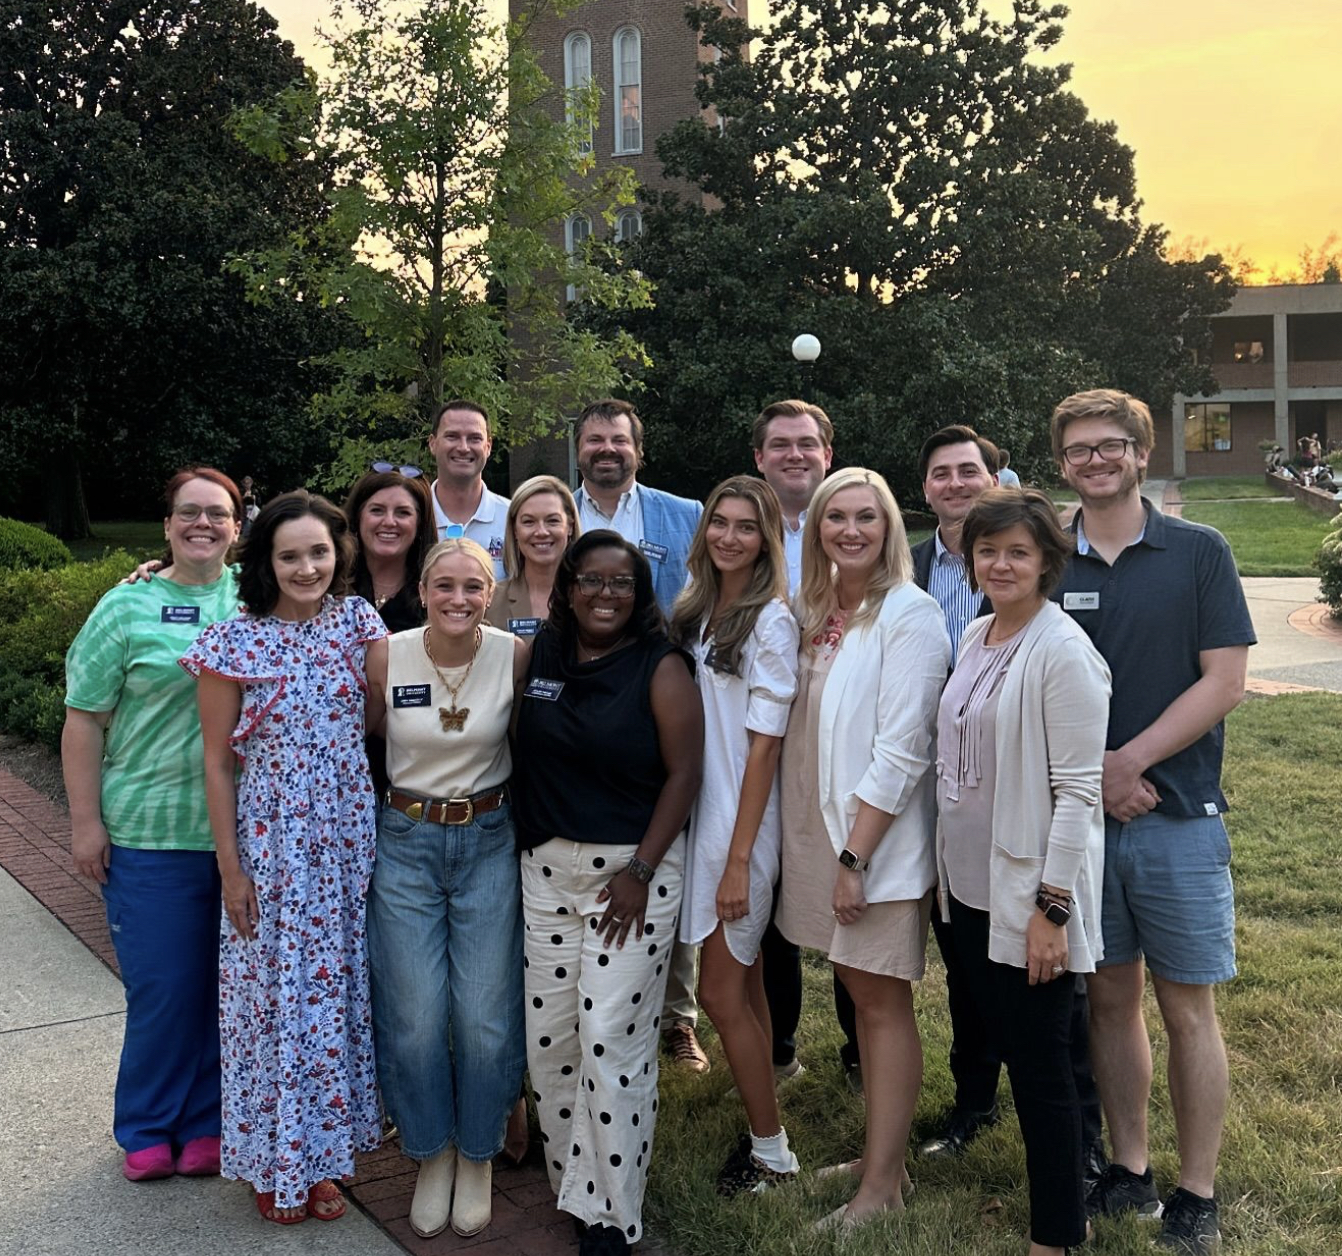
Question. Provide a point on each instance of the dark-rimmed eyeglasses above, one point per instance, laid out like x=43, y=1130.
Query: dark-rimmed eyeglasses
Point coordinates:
x=410, y=472
x=1110, y=450
x=618, y=586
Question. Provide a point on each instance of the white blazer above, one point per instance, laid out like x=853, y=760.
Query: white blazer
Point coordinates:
x=877, y=739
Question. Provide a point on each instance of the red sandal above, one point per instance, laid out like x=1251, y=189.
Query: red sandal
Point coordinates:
x=325, y=1192
x=265, y=1205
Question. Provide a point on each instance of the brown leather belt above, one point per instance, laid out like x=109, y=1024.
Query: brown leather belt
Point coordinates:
x=448, y=810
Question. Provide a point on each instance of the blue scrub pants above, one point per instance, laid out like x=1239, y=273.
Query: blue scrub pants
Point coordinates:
x=163, y=911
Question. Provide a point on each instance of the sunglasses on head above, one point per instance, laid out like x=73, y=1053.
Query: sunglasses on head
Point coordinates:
x=408, y=471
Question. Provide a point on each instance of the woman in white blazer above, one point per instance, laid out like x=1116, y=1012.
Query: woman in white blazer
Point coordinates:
x=858, y=798
x=1020, y=844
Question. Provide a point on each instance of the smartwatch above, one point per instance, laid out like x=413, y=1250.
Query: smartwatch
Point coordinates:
x=1055, y=912
x=854, y=863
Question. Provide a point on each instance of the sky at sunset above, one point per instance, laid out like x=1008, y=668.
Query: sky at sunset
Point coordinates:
x=1232, y=107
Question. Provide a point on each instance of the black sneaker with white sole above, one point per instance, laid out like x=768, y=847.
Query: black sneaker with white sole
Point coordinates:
x=1120, y=1190
x=1191, y=1224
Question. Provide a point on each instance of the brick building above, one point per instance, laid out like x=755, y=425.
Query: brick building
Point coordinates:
x=644, y=59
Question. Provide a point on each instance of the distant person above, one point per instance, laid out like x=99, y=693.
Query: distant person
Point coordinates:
x=1006, y=477
x=135, y=778
x=794, y=446
x=609, y=440
x=1161, y=600
x=463, y=504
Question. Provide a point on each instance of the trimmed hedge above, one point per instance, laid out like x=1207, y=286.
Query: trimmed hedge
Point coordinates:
x=22, y=545
x=1329, y=562
x=41, y=612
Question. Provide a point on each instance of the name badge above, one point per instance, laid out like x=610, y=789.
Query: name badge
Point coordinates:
x=1211, y=808
x=179, y=615
x=546, y=690
x=411, y=695
x=1080, y=601
x=653, y=550
x=524, y=627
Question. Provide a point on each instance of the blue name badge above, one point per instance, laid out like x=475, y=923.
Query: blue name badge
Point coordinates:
x=179, y=615
x=524, y=627
x=411, y=695
x=546, y=690
x=653, y=550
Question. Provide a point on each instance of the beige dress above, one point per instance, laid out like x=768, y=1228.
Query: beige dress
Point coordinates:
x=888, y=938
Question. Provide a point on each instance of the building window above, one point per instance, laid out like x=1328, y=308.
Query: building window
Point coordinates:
x=628, y=226
x=1207, y=427
x=577, y=75
x=628, y=48
x=577, y=231
x=1250, y=351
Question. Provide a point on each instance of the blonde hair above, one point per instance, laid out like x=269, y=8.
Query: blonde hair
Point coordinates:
x=458, y=545
x=768, y=579
x=513, y=562
x=818, y=598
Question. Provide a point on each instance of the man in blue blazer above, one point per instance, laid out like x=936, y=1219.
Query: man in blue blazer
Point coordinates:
x=608, y=437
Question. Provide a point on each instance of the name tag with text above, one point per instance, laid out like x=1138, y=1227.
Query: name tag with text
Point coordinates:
x=411, y=695
x=180, y=615
x=546, y=690
x=524, y=627
x=652, y=550
x=1080, y=601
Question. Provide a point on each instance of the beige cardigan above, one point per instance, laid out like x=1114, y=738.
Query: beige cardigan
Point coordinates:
x=1048, y=817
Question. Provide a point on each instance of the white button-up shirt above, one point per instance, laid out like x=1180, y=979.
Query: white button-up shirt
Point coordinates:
x=627, y=520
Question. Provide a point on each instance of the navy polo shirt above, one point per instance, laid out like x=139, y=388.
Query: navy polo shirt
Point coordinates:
x=1167, y=597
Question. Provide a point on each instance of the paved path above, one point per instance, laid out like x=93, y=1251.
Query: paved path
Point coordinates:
x=61, y=1019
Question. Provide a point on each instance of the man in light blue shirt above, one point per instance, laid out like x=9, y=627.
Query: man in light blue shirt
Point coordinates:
x=460, y=443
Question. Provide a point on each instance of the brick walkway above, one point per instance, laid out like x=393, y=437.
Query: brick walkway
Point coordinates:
x=35, y=851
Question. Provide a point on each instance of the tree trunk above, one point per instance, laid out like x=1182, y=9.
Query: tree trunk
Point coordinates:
x=67, y=510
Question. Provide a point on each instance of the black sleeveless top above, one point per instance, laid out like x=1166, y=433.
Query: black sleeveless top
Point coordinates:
x=587, y=765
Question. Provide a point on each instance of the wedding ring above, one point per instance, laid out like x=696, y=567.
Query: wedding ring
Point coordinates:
x=1058, y=968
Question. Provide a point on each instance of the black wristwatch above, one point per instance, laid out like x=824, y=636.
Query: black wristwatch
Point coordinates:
x=1055, y=910
x=853, y=862
x=640, y=870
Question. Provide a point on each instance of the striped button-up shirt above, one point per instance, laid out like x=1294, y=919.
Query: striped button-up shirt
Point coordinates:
x=948, y=583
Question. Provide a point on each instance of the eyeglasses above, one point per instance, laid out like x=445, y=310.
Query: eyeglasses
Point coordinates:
x=619, y=586
x=189, y=512
x=409, y=472
x=1110, y=450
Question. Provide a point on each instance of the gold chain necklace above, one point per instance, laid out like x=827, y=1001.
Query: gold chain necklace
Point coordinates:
x=453, y=720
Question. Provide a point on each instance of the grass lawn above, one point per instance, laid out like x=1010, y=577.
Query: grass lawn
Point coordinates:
x=1226, y=487
x=1282, y=1156
x=1268, y=538
x=143, y=539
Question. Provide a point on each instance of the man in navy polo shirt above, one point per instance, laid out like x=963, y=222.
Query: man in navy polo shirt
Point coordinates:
x=1161, y=600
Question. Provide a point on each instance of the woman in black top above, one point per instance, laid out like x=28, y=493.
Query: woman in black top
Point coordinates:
x=608, y=757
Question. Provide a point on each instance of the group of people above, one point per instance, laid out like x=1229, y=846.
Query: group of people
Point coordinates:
x=512, y=770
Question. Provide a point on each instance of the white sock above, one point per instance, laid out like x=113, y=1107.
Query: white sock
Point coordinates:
x=774, y=1152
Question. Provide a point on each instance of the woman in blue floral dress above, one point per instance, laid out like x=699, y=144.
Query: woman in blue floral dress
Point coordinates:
x=282, y=687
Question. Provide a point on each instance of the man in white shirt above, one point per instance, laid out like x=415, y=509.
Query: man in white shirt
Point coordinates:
x=794, y=446
x=462, y=505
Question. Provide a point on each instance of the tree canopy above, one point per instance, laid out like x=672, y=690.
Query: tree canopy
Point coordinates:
x=912, y=184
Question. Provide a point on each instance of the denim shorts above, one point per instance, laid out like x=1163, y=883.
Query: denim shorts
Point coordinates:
x=1168, y=896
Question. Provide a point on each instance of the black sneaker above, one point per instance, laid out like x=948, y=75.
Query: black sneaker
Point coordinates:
x=1190, y=1224
x=603, y=1240
x=961, y=1129
x=745, y=1171
x=1121, y=1190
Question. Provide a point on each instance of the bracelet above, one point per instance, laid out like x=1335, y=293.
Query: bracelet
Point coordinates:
x=640, y=870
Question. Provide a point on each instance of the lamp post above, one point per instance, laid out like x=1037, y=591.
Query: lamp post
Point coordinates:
x=806, y=349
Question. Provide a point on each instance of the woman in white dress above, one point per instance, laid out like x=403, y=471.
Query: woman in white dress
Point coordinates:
x=733, y=617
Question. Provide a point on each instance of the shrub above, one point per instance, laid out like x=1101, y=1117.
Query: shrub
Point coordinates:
x=22, y=545
x=1329, y=562
x=40, y=614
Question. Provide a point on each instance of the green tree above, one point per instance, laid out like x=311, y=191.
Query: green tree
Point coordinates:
x=125, y=350
x=911, y=184
x=442, y=248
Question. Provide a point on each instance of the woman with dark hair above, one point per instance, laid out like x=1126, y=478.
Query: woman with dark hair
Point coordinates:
x=1020, y=843
x=131, y=753
x=733, y=618
x=608, y=758
x=282, y=686
x=391, y=522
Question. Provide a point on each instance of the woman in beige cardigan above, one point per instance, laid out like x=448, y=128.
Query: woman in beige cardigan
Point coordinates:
x=1020, y=844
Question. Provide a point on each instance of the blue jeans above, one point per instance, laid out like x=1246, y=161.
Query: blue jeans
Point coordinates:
x=445, y=952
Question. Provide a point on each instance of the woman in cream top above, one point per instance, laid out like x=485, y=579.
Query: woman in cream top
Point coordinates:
x=444, y=910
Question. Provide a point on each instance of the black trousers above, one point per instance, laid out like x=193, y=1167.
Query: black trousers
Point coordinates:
x=1029, y=1030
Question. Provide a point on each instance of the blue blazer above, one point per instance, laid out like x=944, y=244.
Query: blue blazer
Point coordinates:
x=668, y=528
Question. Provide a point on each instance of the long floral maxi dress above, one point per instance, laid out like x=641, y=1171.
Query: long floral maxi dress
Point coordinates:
x=299, y=1090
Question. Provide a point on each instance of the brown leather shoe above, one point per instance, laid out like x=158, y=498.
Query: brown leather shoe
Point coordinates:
x=683, y=1047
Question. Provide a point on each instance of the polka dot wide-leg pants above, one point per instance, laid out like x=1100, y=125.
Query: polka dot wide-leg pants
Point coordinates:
x=593, y=1014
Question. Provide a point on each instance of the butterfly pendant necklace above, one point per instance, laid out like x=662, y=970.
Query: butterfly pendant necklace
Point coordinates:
x=454, y=720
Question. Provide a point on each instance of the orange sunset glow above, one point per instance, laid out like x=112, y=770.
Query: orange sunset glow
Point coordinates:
x=1231, y=106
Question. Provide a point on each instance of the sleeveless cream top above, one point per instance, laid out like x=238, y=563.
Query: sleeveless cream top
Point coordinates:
x=424, y=759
